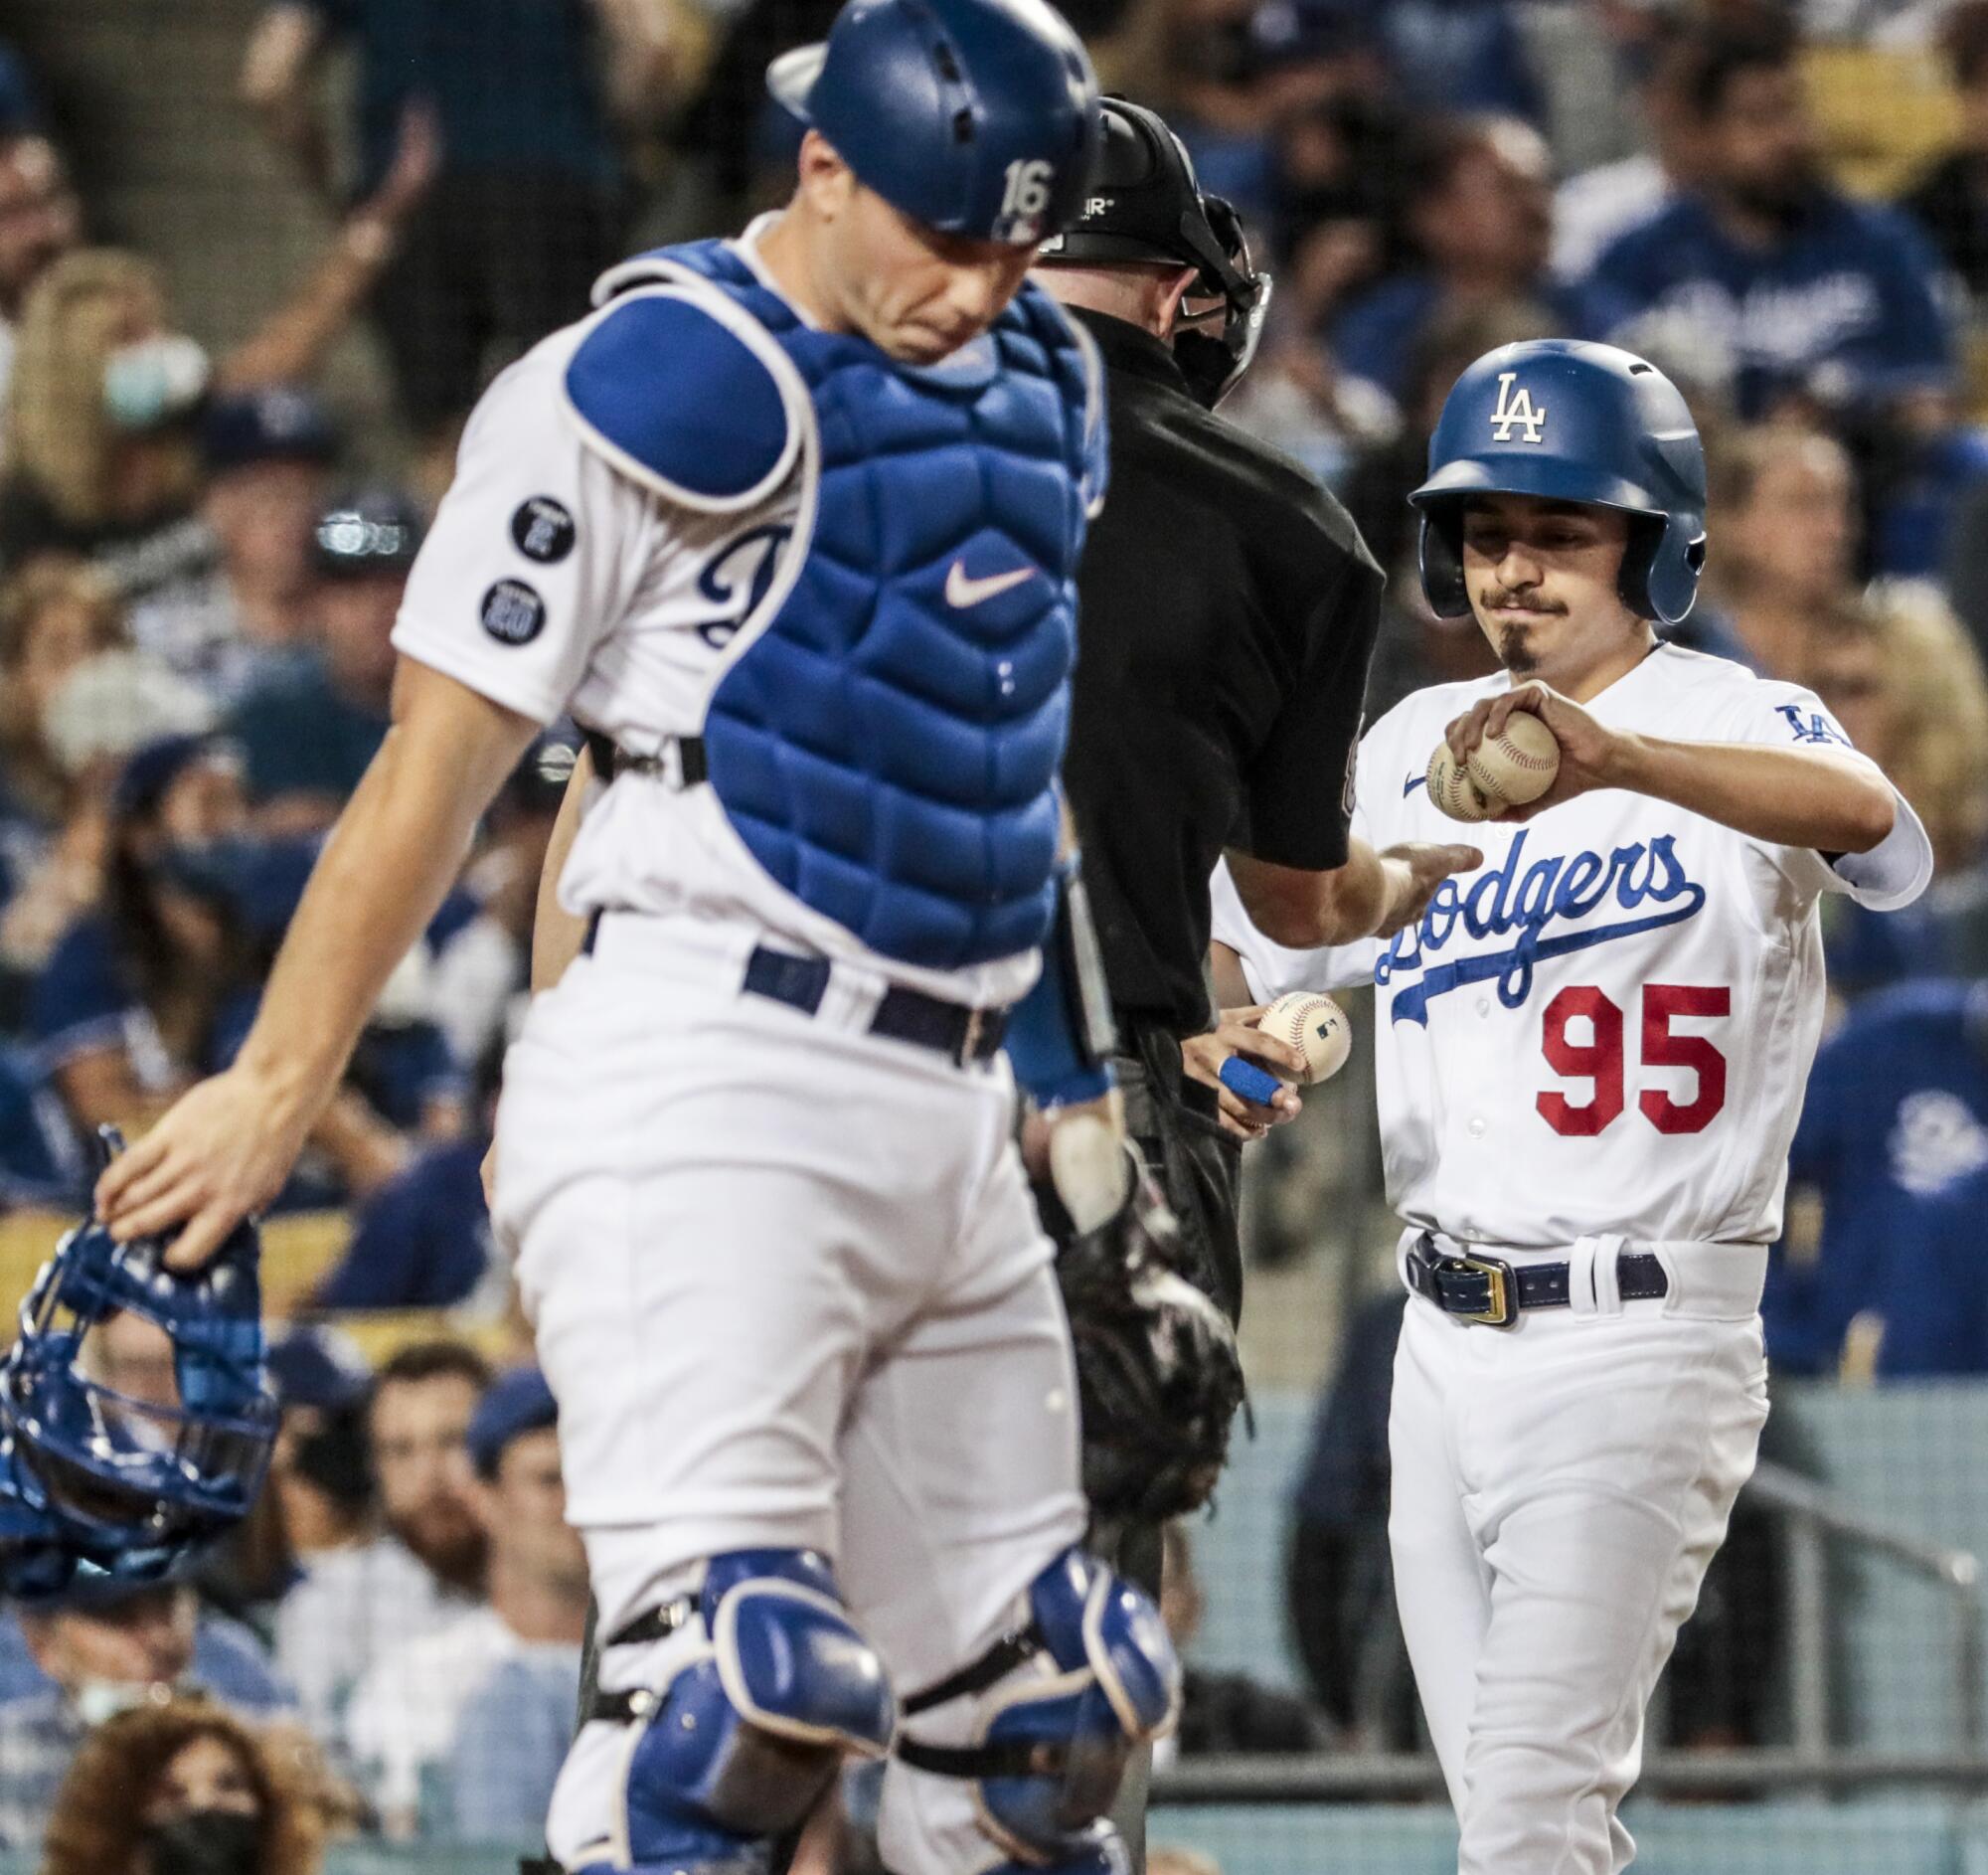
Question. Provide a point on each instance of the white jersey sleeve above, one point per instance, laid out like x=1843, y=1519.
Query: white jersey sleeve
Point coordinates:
x=536, y=553
x=1787, y=716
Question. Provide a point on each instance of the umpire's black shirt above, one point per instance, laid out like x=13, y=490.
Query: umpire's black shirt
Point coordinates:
x=1227, y=613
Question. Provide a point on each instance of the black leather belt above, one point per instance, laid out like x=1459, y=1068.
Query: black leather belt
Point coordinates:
x=904, y=1015
x=1491, y=1290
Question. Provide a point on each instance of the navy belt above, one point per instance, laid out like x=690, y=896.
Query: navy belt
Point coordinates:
x=904, y=1015
x=1491, y=1290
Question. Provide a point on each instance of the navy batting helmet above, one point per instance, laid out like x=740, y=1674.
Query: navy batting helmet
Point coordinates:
x=1570, y=421
x=975, y=117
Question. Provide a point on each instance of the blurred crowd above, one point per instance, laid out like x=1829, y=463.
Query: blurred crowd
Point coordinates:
x=1783, y=205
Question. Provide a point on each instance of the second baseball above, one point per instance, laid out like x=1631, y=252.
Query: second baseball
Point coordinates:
x=1519, y=763
x=1315, y=1024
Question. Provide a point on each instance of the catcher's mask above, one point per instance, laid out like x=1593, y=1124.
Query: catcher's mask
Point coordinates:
x=1144, y=207
x=128, y=1477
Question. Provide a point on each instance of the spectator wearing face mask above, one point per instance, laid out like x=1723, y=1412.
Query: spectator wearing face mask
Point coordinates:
x=183, y=1788
x=310, y=730
x=463, y=1731
x=106, y=1648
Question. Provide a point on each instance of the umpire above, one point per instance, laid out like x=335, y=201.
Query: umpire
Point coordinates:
x=1227, y=615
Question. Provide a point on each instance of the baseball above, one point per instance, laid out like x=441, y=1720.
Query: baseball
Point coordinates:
x=1454, y=791
x=1518, y=765
x=1315, y=1024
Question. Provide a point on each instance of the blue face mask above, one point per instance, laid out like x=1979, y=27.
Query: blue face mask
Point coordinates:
x=151, y=381
x=218, y=871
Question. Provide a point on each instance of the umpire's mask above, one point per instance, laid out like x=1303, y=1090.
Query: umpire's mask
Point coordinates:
x=1144, y=208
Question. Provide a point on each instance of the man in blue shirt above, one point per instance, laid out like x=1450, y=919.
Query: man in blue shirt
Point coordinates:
x=527, y=204
x=1893, y=1145
x=309, y=729
x=1762, y=274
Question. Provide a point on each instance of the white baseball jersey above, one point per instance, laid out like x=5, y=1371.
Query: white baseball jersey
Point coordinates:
x=558, y=576
x=1608, y=1027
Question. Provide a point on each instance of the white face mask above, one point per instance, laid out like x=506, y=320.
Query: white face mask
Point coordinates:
x=96, y=1700
x=155, y=379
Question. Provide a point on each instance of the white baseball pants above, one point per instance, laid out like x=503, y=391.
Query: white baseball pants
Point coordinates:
x=1560, y=1487
x=790, y=1290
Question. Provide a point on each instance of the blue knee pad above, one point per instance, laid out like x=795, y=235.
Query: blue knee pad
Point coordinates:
x=764, y=1685
x=1064, y=1700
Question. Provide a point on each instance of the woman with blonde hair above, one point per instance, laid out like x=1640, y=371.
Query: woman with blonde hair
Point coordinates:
x=1906, y=682
x=99, y=439
x=185, y=1788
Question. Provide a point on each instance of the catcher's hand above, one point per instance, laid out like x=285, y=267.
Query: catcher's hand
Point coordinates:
x=1158, y=1372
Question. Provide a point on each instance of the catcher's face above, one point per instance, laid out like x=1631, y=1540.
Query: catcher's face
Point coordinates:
x=1542, y=577
x=911, y=291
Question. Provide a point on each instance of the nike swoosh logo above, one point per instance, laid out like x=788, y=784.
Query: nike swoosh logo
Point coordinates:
x=1413, y=783
x=962, y=591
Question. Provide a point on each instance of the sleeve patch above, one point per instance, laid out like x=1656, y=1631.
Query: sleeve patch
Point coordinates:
x=676, y=395
x=1811, y=726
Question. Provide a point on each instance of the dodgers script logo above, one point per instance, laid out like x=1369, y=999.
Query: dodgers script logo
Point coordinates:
x=1518, y=409
x=1506, y=901
x=738, y=577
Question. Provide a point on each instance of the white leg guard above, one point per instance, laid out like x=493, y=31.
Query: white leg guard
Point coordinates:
x=1033, y=1735
x=723, y=1717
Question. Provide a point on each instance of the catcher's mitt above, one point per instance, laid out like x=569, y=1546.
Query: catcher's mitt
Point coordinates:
x=1157, y=1368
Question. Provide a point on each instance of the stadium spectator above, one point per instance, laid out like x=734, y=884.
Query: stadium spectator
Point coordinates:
x=157, y=986
x=357, y=1593
x=1950, y=200
x=39, y=222
x=54, y=614
x=309, y=728
x=1788, y=291
x=126, y=1009
x=1888, y=1179
x=1480, y=217
x=463, y=1731
x=183, y=1788
x=424, y=1399
x=104, y=1649
x=268, y=453
x=526, y=207
x=1784, y=537
x=98, y=444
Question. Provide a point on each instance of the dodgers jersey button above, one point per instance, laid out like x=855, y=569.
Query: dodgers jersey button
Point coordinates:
x=543, y=529
x=513, y=613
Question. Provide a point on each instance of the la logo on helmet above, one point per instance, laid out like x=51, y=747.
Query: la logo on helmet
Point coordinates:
x=1518, y=409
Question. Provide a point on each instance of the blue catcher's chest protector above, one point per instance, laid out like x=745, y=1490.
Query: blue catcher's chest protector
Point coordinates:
x=886, y=745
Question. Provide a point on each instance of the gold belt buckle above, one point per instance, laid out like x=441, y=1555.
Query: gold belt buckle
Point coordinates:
x=1498, y=1277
